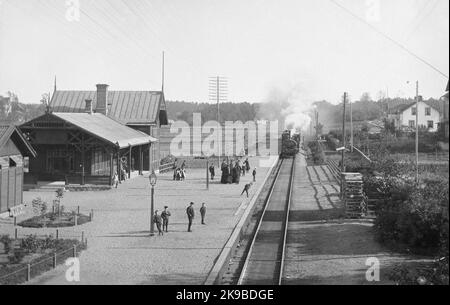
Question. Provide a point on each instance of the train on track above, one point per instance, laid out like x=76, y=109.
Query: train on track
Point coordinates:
x=290, y=144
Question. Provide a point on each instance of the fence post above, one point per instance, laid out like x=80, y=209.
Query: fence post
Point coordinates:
x=75, y=251
x=92, y=215
x=15, y=221
x=28, y=272
x=54, y=260
x=57, y=234
x=78, y=210
x=76, y=220
x=82, y=237
x=15, y=233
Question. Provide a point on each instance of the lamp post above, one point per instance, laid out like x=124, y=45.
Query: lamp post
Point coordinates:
x=153, y=180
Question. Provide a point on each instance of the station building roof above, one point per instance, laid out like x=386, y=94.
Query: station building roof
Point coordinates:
x=99, y=126
x=127, y=107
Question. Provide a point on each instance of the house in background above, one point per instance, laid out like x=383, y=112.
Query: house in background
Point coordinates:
x=145, y=111
x=404, y=116
x=15, y=152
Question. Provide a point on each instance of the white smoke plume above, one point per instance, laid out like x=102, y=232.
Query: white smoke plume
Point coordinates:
x=289, y=103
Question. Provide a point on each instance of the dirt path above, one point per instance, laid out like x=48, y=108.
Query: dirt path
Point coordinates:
x=322, y=247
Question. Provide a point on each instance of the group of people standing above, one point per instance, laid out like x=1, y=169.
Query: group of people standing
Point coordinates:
x=162, y=220
x=179, y=173
x=234, y=169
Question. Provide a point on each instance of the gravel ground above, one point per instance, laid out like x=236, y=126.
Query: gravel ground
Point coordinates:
x=323, y=248
x=119, y=248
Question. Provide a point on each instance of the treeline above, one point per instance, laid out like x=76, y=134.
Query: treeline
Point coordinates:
x=14, y=112
x=183, y=111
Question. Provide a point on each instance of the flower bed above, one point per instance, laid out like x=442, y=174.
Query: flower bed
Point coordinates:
x=30, y=257
x=53, y=220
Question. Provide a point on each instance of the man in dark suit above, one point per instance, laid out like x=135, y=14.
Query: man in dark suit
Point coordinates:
x=190, y=214
x=165, y=218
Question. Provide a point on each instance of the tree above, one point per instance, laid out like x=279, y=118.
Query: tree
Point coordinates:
x=365, y=97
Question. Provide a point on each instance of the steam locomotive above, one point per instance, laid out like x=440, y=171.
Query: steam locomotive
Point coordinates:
x=290, y=144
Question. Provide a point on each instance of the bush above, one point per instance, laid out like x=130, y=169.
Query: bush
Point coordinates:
x=31, y=244
x=7, y=242
x=39, y=206
x=318, y=156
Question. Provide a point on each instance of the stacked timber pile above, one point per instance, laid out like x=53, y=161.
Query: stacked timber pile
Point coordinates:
x=353, y=195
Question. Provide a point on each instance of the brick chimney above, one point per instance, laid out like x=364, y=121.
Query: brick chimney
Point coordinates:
x=88, y=107
x=102, y=99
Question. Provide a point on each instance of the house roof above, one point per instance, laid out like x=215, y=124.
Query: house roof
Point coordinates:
x=403, y=107
x=107, y=129
x=12, y=132
x=127, y=107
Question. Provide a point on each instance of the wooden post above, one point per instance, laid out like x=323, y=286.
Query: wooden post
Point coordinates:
x=82, y=237
x=83, y=161
x=129, y=162
x=54, y=260
x=15, y=234
x=92, y=215
x=207, y=174
x=343, y=144
x=78, y=210
x=57, y=234
x=141, y=161
x=28, y=272
x=119, y=171
x=111, y=170
x=15, y=221
x=76, y=220
x=74, y=251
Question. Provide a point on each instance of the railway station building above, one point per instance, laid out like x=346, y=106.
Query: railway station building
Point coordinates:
x=86, y=136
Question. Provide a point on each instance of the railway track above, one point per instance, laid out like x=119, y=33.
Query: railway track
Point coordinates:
x=265, y=259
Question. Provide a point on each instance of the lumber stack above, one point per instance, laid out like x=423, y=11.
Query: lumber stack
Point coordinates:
x=353, y=195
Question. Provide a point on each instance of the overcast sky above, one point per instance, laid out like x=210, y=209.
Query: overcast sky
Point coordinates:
x=258, y=44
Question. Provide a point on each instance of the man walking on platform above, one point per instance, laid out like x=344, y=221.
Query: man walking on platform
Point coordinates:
x=203, y=213
x=158, y=221
x=246, y=189
x=165, y=218
x=254, y=175
x=190, y=214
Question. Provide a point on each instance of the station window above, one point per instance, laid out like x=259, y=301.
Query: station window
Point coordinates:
x=412, y=124
x=413, y=111
x=12, y=163
x=430, y=124
x=428, y=111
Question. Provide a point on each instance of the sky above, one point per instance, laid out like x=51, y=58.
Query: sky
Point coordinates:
x=258, y=45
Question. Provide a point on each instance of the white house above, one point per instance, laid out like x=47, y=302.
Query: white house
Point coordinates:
x=405, y=117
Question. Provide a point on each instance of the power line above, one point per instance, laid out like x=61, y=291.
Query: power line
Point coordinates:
x=404, y=48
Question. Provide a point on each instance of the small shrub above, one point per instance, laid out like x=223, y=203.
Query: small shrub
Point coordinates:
x=39, y=206
x=30, y=244
x=7, y=242
x=17, y=256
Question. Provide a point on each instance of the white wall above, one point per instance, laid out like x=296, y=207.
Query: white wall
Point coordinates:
x=423, y=119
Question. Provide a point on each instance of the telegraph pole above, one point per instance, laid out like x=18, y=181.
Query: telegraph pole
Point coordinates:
x=351, y=126
x=343, y=135
x=218, y=90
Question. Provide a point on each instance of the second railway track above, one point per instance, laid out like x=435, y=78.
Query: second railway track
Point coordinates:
x=265, y=259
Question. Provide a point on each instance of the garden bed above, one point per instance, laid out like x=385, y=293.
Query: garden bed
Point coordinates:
x=51, y=220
